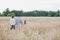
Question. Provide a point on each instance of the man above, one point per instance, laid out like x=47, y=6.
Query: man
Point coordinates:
x=12, y=23
x=18, y=22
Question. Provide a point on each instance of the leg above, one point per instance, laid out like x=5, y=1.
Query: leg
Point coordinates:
x=11, y=27
x=14, y=27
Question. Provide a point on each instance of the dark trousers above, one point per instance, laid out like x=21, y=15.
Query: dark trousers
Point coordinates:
x=12, y=27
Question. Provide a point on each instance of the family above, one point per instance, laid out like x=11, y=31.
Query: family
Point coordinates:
x=13, y=22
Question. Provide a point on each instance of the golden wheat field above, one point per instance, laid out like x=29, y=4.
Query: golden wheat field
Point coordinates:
x=36, y=28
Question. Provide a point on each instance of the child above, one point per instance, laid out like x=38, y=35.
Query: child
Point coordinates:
x=12, y=22
x=24, y=21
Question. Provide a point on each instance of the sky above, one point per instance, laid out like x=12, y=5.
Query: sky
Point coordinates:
x=29, y=5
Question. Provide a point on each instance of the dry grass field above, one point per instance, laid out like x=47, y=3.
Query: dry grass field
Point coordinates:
x=36, y=28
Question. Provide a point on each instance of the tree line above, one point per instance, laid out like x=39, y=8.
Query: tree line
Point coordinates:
x=7, y=12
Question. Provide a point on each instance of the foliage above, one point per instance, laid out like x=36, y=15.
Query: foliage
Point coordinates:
x=30, y=13
x=11, y=14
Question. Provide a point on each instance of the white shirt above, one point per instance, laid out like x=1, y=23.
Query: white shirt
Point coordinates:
x=12, y=22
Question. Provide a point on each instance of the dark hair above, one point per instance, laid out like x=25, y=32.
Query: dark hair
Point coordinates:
x=12, y=16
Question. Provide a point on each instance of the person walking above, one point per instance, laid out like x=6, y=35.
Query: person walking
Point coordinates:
x=18, y=22
x=12, y=23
